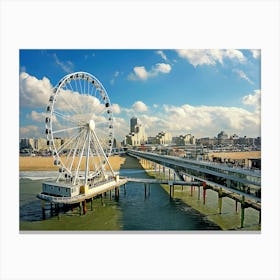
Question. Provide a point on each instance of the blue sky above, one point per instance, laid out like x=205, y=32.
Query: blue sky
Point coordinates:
x=181, y=91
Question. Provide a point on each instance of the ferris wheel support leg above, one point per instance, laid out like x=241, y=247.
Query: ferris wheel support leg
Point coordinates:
x=103, y=154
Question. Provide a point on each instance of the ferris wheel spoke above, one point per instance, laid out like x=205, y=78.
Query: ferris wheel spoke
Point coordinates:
x=80, y=160
x=69, y=142
x=97, y=153
x=92, y=156
x=67, y=129
x=102, y=152
x=65, y=99
x=81, y=90
x=74, y=150
x=66, y=118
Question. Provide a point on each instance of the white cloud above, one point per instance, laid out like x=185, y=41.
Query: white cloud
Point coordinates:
x=162, y=54
x=256, y=53
x=208, y=120
x=253, y=99
x=243, y=75
x=210, y=56
x=66, y=66
x=116, y=74
x=33, y=92
x=140, y=72
x=37, y=117
x=116, y=109
x=161, y=68
x=139, y=106
x=30, y=131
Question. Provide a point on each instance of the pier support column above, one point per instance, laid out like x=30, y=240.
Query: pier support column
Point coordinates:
x=43, y=210
x=260, y=217
x=204, y=192
x=236, y=206
x=242, y=211
x=198, y=195
x=110, y=194
x=80, y=208
x=91, y=204
x=117, y=194
x=220, y=202
x=169, y=175
x=51, y=209
x=170, y=191
x=84, y=207
x=145, y=186
x=191, y=190
x=124, y=189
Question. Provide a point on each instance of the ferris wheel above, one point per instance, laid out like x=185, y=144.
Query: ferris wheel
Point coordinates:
x=79, y=128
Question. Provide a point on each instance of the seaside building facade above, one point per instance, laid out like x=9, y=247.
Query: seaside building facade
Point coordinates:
x=137, y=135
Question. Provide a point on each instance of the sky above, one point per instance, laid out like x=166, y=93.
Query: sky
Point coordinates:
x=197, y=91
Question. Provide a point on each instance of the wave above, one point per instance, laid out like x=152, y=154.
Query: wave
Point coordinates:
x=38, y=175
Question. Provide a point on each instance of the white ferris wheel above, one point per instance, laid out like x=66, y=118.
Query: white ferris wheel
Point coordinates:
x=79, y=129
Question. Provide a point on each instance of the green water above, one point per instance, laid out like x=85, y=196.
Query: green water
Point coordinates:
x=134, y=211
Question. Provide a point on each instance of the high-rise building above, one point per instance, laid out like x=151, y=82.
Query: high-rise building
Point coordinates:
x=137, y=135
x=133, y=124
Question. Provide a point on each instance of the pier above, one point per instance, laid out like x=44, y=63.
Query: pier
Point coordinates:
x=242, y=186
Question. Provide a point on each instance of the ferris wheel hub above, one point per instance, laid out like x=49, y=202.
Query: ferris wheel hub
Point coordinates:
x=91, y=125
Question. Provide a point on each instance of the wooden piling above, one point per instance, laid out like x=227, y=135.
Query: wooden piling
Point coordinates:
x=191, y=190
x=198, y=195
x=236, y=206
x=204, y=195
x=84, y=207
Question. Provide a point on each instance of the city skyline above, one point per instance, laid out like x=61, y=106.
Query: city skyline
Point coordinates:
x=180, y=91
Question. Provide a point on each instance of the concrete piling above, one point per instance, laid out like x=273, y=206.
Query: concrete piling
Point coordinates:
x=242, y=211
x=220, y=200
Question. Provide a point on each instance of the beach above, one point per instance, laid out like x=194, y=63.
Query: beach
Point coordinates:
x=47, y=163
x=236, y=155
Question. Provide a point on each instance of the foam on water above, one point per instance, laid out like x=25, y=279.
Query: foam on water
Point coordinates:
x=37, y=175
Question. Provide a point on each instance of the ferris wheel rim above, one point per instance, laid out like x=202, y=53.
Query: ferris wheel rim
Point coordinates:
x=78, y=75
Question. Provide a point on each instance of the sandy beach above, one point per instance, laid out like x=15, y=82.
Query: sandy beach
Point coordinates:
x=236, y=155
x=47, y=163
